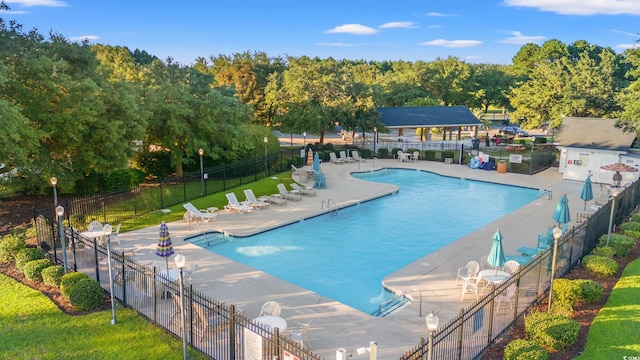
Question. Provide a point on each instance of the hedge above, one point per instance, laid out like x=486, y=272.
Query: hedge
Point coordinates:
x=520, y=349
x=600, y=265
x=86, y=294
x=33, y=269
x=551, y=331
x=27, y=254
x=52, y=275
x=9, y=247
x=69, y=280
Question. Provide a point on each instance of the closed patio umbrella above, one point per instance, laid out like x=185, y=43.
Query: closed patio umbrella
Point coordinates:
x=316, y=162
x=310, y=157
x=165, y=247
x=496, y=255
x=561, y=215
x=587, y=192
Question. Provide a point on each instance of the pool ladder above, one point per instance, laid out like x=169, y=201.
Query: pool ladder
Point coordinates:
x=544, y=192
x=333, y=210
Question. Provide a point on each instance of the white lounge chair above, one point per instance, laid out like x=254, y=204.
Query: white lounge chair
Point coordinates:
x=345, y=158
x=334, y=159
x=307, y=191
x=253, y=201
x=287, y=194
x=195, y=214
x=356, y=156
x=234, y=204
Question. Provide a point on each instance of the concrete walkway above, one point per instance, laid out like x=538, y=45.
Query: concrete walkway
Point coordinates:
x=336, y=325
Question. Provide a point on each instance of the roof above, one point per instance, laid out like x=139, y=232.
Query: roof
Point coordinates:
x=427, y=116
x=594, y=133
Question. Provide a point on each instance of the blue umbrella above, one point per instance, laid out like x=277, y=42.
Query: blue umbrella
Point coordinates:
x=587, y=192
x=561, y=215
x=316, y=162
x=496, y=255
x=165, y=247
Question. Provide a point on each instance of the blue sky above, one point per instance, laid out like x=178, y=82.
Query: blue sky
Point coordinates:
x=477, y=31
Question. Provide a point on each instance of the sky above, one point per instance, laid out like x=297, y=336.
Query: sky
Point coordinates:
x=475, y=31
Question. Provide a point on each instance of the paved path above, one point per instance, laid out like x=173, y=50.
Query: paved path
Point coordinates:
x=336, y=325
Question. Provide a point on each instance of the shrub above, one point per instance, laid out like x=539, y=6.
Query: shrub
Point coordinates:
x=551, y=331
x=383, y=152
x=394, y=151
x=430, y=155
x=631, y=229
x=69, y=280
x=448, y=154
x=524, y=350
x=366, y=153
x=9, y=247
x=27, y=254
x=590, y=291
x=600, y=265
x=621, y=244
x=33, y=269
x=606, y=251
x=51, y=276
x=566, y=293
x=86, y=294
x=635, y=217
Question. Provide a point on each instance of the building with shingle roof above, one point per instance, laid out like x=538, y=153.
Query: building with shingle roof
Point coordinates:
x=452, y=118
x=586, y=144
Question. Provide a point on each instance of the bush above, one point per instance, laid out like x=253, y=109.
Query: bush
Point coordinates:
x=69, y=280
x=590, y=291
x=394, y=151
x=635, y=217
x=384, y=153
x=430, y=155
x=621, y=244
x=524, y=350
x=448, y=154
x=366, y=154
x=86, y=294
x=551, y=331
x=51, y=276
x=631, y=229
x=566, y=293
x=606, y=251
x=33, y=269
x=600, y=265
x=27, y=254
x=10, y=246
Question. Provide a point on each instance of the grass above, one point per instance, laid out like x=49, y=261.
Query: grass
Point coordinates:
x=614, y=332
x=33, y=327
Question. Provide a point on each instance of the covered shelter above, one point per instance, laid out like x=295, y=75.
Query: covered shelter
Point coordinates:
x=587, y=144
x=450, y=118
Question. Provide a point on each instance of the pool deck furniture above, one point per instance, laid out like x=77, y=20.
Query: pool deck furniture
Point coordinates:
x=306, y=191
x=289, y=195
x=234, y=204
x=195, y=214
x=253, y=201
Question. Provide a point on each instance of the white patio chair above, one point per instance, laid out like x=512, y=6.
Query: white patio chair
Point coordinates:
x=470, y=270
x=301, y=335
x=471, y=285
x=506, y=296
x=270, y=308
x=512, y=267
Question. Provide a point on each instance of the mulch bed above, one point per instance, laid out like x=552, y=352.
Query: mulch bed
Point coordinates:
x=584, y=313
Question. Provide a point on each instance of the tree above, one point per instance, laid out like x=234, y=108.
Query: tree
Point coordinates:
x=493, y=83
x=448, y=80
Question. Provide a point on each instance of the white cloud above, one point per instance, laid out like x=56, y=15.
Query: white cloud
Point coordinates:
x=436, y=14
x=85, y=37
x=452, y=43
x=627, y=46
x=12, y=12
x=398, y=24
x=625, y=33
x=434, y=26
x=520, y=39
x=354, y=29
x=29, y=3
x=581, y=7
x=336, y=44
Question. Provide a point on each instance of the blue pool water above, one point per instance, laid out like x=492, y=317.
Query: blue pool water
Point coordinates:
x=345, y=257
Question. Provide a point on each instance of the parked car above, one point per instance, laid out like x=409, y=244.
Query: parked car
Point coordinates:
x=515, y=131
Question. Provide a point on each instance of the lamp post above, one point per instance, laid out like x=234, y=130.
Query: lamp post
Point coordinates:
x=266, y=162
x=201, y=153
x=180, y=260
x=613, y=208
x=107, y=232
x=60, y=214
x=557, y=234
x=533, y=142
x=432, y=325
x=375, y=138
x=54, y=183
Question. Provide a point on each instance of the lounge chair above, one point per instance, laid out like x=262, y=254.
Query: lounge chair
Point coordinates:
x=306, y=191
x=356, y=156
x=345, y=158
x=195, y=214
x=234, y=204
x=287, y=194
x=274, y=199
x=544, y=241
x=253, y=201
x=334, y=159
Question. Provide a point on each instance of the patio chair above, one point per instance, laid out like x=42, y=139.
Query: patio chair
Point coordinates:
x=306, y=191
x=484, y=263
x=301, y=335
x=345, y=158
x=471, y=285
x=287, y=194
x=207, y=319
x=544, y=241
x=415, y=156
x=506, y=296
x=195, y=214
x=512, y=267
x=253, y=201
x=125, y=250
x=234, y=204
x=470, y=270
x=94, y=225
x=270, y=308
x=356, y=156
x=334, y=159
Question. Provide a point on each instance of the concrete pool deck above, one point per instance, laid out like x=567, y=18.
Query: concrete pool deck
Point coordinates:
x=336, y=325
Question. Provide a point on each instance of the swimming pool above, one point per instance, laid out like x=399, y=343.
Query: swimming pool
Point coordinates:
x=345, y=257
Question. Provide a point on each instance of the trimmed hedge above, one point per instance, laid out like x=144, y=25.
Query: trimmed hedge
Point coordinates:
x=52, y=275
x=566, y=293
x=524, y=350
x=600, y=265
x=9, y=247
x=33, y=269
x=606, y=251
x=621, y=244
x=631, y=229
x=551, y=331
x=590, y=291
x=86, y=294
x=27, y=254
x=69, y=280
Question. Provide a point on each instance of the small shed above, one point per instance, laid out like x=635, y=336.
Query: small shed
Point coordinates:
x=586, y=144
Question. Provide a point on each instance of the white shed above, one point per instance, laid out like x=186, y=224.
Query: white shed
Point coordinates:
x=586, y=144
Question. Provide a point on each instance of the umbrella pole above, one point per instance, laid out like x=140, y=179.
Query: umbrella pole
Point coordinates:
x=167, y=260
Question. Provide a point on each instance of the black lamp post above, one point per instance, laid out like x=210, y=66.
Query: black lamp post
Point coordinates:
x=266, y=161
x=201, y=153
x=375, y=138
x=107, y=232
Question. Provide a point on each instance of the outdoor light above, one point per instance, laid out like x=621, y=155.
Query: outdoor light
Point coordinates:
x=60, y=215
x=180, y=260
x=432, y=325
x=266, y=162
x=106, y=230
x=201, y=153
x=613, y=208
x=557, y=234
x=54, y=183
x=533, y=143
x=375, y=138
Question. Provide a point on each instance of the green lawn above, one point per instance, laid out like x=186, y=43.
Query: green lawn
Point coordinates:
x=615, y=332
x=34, y=328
